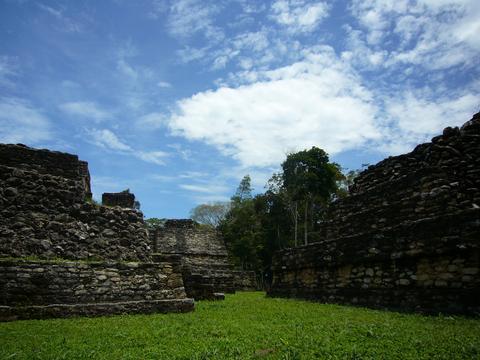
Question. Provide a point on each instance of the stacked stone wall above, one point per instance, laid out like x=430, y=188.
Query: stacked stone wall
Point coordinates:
x=70, y=282
x=245, y=280
x=50, y=233
x=123, y=199
x=406, y=237
x=206, y=267
x=43, y=161
x=46, y=216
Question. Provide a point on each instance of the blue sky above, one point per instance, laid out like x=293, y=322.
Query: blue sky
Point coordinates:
x=177, y=100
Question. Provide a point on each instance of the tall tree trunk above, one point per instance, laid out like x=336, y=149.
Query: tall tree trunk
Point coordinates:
x=312, y=216
x=296, y=223
x=306, y=222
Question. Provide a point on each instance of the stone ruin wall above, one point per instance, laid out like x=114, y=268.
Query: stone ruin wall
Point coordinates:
x=61, y=255
x=123, y=199
x=407, y=236
x=206, y=266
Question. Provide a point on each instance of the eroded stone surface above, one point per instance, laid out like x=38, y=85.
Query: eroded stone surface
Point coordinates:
x=60, y=254
x=406, y=237
x=206, y=267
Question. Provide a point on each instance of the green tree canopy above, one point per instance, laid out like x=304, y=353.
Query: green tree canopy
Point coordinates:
x=308, y=177
x=244, y=190
x=309, y=173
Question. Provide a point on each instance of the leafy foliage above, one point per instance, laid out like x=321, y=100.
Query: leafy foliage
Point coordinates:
x=257, y=226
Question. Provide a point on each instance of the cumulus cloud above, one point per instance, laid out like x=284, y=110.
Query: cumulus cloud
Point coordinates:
x=414, y=117
x=107, y=139
x=314, y=102
x=85, y=109
x=299, y=15
x=20, y=122
x=433, y=34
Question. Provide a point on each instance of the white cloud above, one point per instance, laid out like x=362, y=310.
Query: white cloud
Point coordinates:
x=154, y=157
x=210, y=198
x=414, y=117
x=108, y=140
x=188, y=17
x=154, y=120
x=433, y=34
x=430, y=116
x=192, y=175
x=7, y=70
x=20, y=122
x=85, y=109
x=164, y=84
x=126, y=69
x=185, y=154
x=188, y=54
x=299, y=15
x=314, y=102
x=65, y=23
x=205, y=188
x=256, y=41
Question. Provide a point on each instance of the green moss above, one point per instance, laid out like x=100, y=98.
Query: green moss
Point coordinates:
x=247, y=326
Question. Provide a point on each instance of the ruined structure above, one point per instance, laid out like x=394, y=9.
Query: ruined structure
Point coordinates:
x=206, y=267
x=62, y=255
x=407, y=236
x=123, y=199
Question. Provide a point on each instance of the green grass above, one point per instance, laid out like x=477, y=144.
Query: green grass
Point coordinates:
x=247, y=326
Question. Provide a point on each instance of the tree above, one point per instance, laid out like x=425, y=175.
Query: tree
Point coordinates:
x=276, y=187
x=210, y=214
x=244, y=190
x=309, y=178
x=238, y=227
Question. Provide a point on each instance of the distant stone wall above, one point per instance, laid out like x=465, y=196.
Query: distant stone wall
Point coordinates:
x=406, y=237
x=245, y=280
x=206, y=267
x=184, y=236
x=50, y=233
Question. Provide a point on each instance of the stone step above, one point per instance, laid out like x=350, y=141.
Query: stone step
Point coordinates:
x=11, y=313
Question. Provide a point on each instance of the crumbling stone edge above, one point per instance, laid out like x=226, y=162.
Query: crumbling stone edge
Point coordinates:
x=11, y=313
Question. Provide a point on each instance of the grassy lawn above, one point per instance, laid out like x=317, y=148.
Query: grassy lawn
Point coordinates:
x=247, y=326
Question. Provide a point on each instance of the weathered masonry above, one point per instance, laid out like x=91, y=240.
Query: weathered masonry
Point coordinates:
x=206, y=267
x=61, y=255
x=407, y=236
